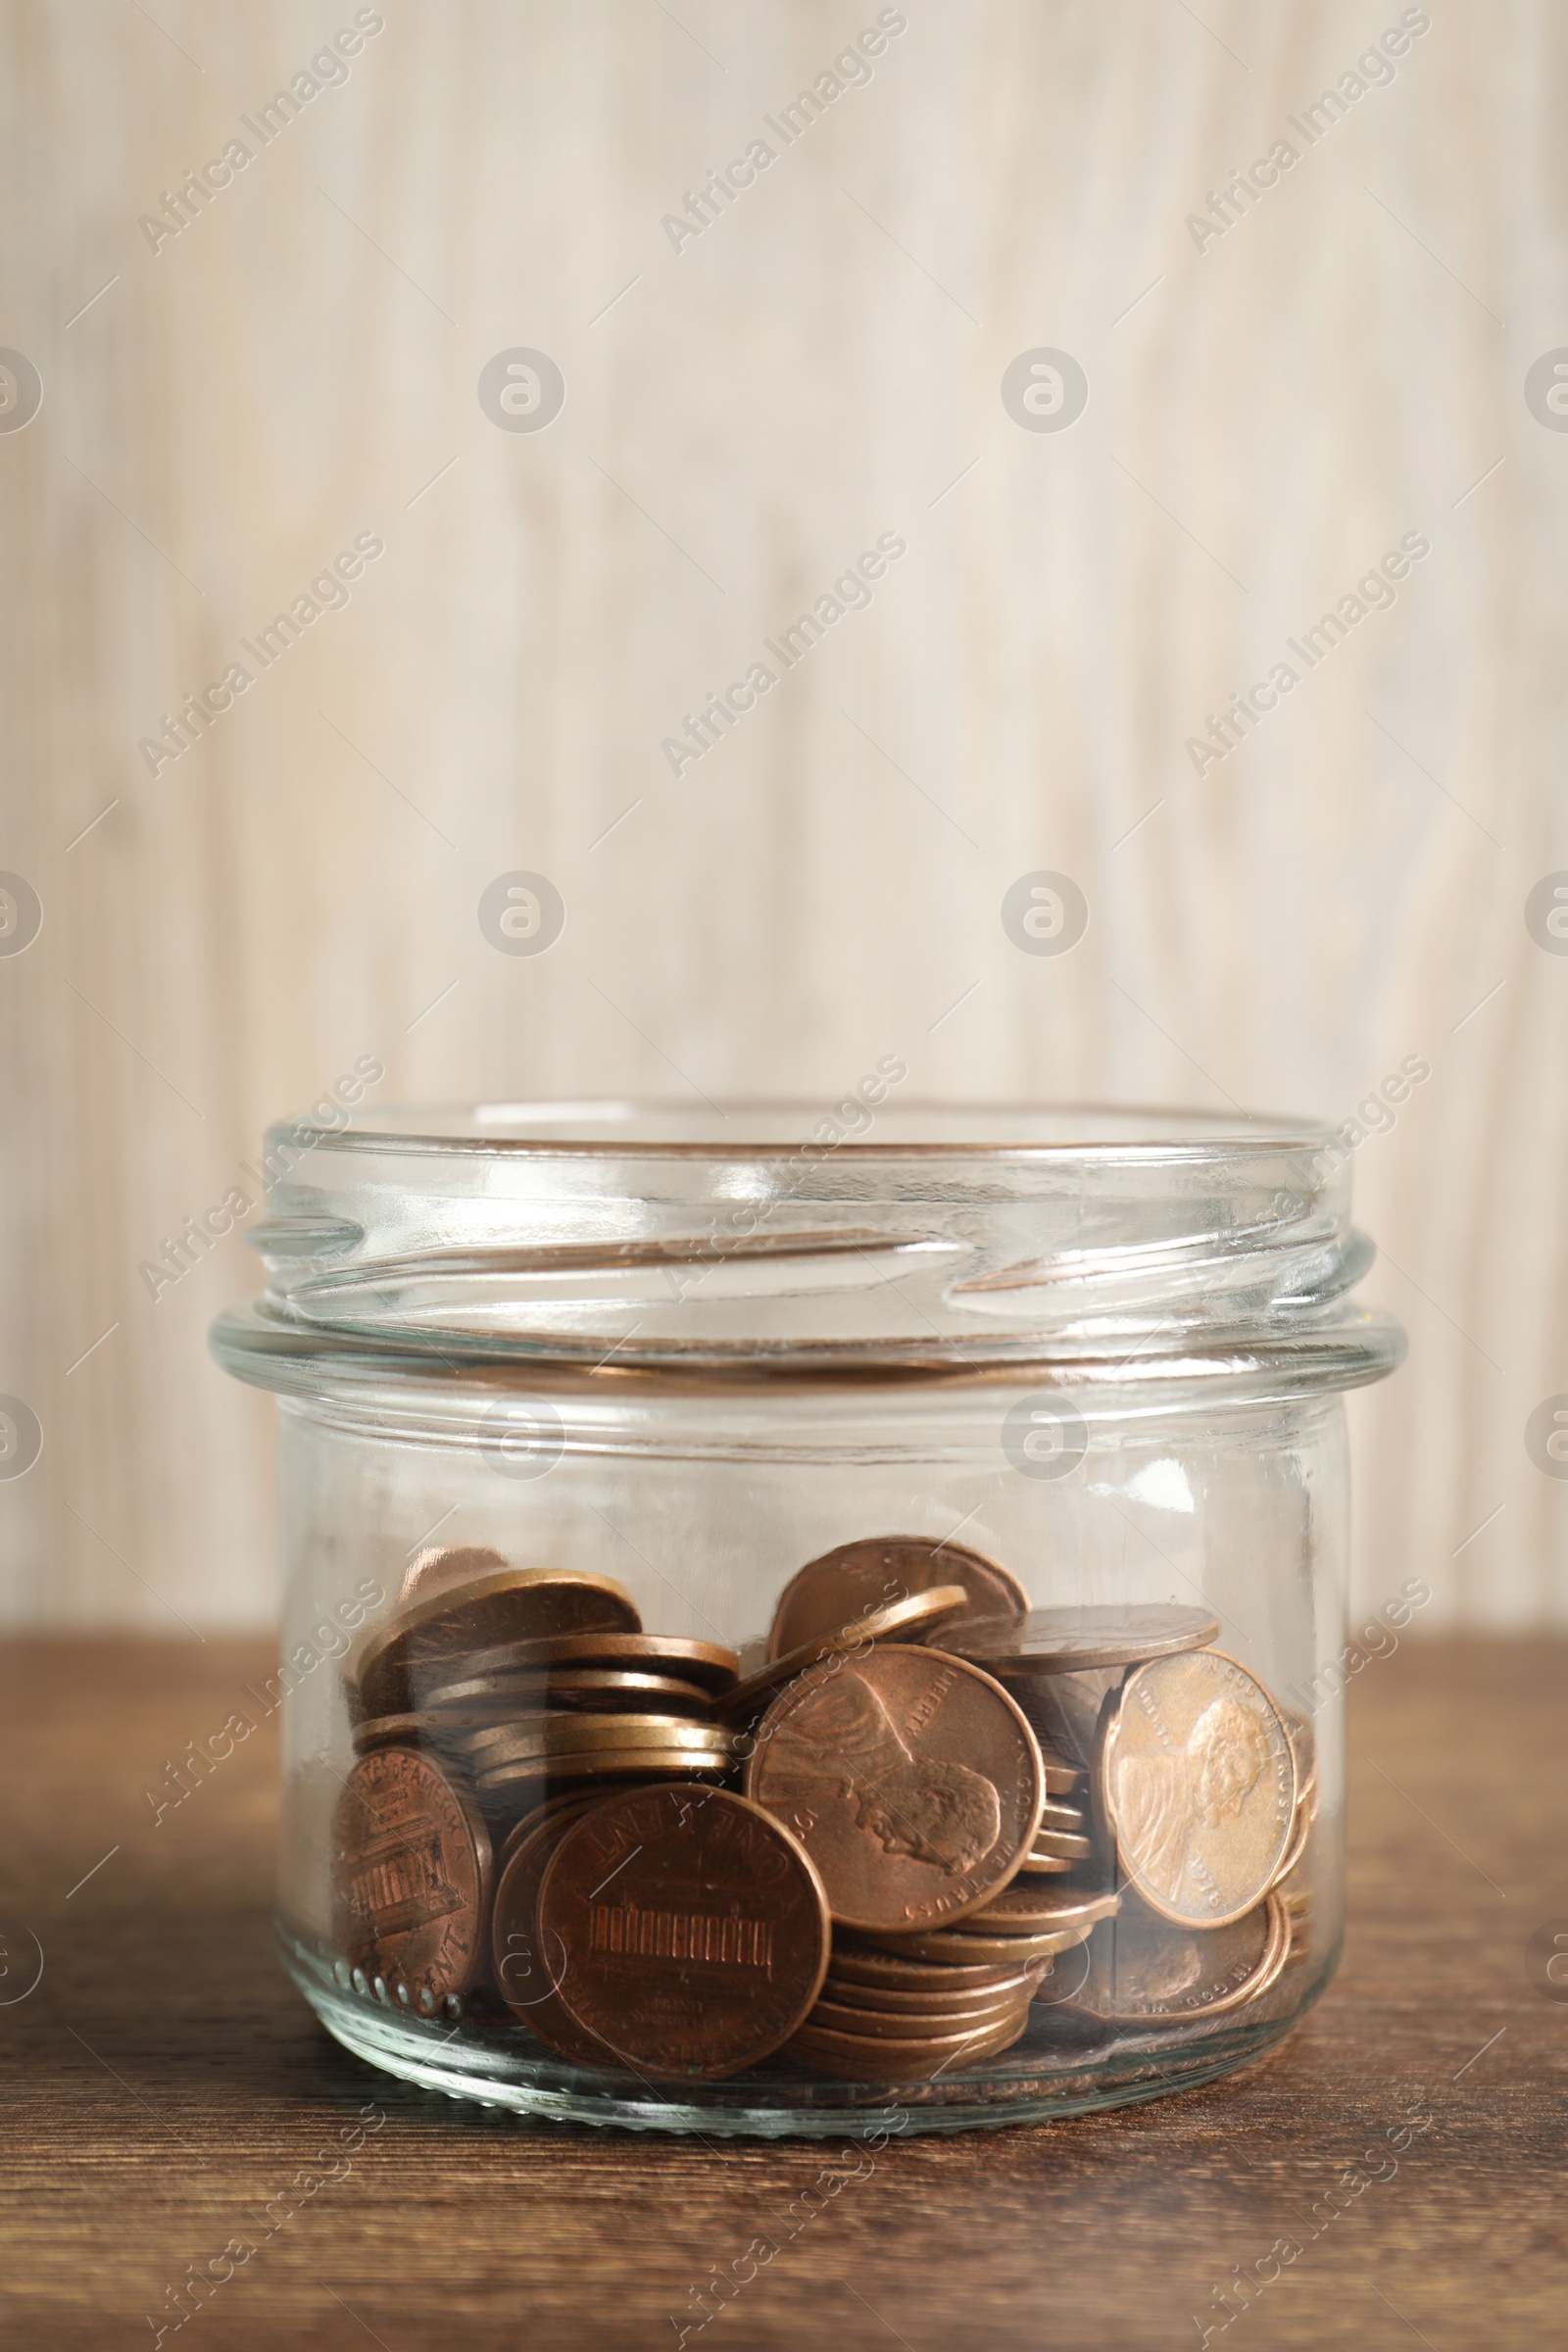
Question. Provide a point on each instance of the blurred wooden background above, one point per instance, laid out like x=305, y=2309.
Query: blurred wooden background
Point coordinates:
x=1270, y=410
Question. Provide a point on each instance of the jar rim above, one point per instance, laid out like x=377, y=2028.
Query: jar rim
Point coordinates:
x=667, y=1129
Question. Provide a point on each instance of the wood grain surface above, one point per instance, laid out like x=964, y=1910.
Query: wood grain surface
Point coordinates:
x=1270, y=410
x=164, y=2081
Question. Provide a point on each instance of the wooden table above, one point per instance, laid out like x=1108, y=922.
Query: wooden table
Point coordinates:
x=164, y=2081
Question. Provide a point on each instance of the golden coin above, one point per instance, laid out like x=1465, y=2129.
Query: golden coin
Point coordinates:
x=847, y=1583
x=1197, y=1780
x=959, y=1945
x=901, y=1620
x=504, y=1604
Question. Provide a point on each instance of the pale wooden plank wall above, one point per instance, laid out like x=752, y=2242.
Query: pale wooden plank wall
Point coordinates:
x=817, y=368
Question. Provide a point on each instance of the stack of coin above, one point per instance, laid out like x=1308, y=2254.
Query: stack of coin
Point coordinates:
x=524, y=1680
x=885, y=2015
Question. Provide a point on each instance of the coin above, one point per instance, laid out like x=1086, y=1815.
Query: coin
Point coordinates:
x=910, y=1778
x=410, y=1878
x=913, y=2025
x=579, y=1689
x=1007, y=1950
x=1062, y=1846
x=578, y=1735
x=863, y=2058
x=1005, y=1986
x=1065, y=1712
x=909, y=1617
x=1060, y=1640
x=1055, y=1815
x=1197, y=1777
x=702, y=1662
x=440, y=1565
x=1043, y=1866
x=503, y=1604
x=847, y=1583
x=886, y=1969
x=553, y=1808
x=509, y=1784
x=526, y=1971
x=1142, y=1964
x=1030, y=1908
x=694, y=1930
x=1301, y=1832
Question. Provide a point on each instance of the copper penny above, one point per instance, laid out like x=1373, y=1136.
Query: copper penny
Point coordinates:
x=522, y=1783
x=845, y=1584
x=694, y=1930
x=1010, y=1950
x=440, y=1565
x=527, y=1971
x=702, y=1662
x=604, y=1690
x=864, y=2058
x=1044, y=1866
x=910, y=1618
x=1197, y=1779
x=1034, y=1907
x=1060, y=1846
x=503, y=1604
x=564, y=1733
x=915, y=2025
x=410, y=1878
x=1060, y=1641
x=1007, y=1988
x=1143, y=1966
x=892, y=1971
x=912, y=1779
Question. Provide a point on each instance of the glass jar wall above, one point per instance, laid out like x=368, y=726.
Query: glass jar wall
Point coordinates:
x=775, y=1632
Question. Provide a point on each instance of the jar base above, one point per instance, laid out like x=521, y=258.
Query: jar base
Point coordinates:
x=1044, y=2077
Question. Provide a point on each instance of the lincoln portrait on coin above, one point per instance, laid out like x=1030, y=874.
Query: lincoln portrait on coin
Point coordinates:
x=931, y=1808
x=1160, y=1800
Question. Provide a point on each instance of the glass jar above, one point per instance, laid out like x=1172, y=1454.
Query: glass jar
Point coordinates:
x=1029, y=1797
